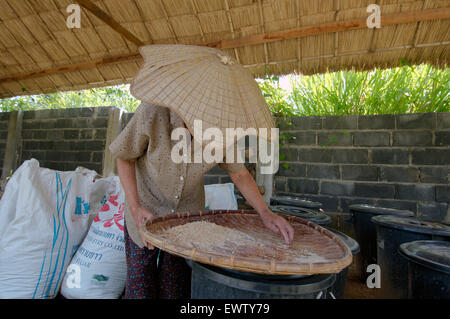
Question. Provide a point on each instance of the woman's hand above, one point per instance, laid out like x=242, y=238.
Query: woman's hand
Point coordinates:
x=278, y=224
x=246, y=184
x=141, y=216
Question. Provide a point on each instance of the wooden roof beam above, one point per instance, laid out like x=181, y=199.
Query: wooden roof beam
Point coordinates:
x=102, y=15
x=393, y=19
x=74, y=67
x=339, y=26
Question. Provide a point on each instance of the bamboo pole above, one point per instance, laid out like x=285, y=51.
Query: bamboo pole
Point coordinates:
x=102, y=15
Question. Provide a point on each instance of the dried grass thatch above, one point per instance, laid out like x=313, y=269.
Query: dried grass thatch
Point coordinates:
x=35, y=38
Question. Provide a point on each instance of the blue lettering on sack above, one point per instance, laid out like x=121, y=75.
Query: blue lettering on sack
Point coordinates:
x=82, y=208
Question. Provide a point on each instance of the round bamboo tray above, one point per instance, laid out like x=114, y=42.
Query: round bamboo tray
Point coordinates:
x=276, y=258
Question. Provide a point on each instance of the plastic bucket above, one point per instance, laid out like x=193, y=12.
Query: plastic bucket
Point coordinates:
x=366, y=234
x=338, y=289
x=210, y=282
x=428, y=269
x=305, y=213
x=392, y=231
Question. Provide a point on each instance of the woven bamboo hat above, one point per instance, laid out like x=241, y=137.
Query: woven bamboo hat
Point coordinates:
x=201, y=83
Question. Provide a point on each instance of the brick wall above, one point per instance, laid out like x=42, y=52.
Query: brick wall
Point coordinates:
x=66, y=138
x=126, y=117
x=397, y=161
x=4, y=117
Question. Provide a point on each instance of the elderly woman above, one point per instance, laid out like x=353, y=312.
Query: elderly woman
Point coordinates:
x=154, y=186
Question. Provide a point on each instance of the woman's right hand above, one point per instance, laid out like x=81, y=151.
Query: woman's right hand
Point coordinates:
x=141, y=216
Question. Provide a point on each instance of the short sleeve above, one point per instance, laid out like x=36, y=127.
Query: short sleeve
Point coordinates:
x=232, y=167
x=133, y=141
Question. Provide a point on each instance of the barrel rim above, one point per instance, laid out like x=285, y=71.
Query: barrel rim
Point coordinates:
x=405, y=224
x=292, y=200
x=369, y=209
x=315, y=217
x=411, y=252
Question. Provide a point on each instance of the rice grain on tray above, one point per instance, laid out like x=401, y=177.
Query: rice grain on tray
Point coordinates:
x=210, y=237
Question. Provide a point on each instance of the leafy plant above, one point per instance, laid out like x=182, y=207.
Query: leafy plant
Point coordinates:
x=406, y=89
x=276, y=97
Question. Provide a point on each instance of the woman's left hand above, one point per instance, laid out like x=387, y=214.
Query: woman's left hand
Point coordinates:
x=278, y=224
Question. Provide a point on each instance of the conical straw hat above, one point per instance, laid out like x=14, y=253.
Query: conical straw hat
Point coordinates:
x=201, y=83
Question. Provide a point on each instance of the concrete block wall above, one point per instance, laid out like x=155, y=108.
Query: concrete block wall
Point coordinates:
x=396, y=161
x=126, y=117
x=4, y=118
x=64, y=139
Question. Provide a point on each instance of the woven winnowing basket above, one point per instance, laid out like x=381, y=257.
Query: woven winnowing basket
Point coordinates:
x=309, y=236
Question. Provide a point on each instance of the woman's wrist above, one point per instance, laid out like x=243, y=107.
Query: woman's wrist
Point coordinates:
x=264, y=211
x=134, y=206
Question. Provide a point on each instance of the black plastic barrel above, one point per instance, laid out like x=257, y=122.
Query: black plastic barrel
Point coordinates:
x=240, y=201
x=210, y=282
x=295, y=201
x=366, y=234
x=338, y=289
x=392, y=231
x=305, y=213
x=428, y=269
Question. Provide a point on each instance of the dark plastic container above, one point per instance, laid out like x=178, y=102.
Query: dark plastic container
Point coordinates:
x=338, y=289
x=366, y=234
x=392, y=231
x=210, y=282
x=428, y=269
x=294, y=201
x=305, y=213
x=240, y=201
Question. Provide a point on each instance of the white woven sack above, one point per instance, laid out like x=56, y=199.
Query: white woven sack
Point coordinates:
x=43, y=219
x=98, y=269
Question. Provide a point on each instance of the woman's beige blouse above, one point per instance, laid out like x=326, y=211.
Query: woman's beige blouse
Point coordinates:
x=163, y=186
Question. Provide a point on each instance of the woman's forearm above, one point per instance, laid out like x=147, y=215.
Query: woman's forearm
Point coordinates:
x=248, y=188
x=127, y=175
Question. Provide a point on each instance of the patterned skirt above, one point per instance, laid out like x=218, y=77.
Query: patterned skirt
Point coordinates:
x=155, y=274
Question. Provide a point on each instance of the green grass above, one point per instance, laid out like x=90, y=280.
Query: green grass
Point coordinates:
x=407, y=89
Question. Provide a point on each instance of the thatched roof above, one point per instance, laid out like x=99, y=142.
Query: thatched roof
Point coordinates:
x=40, y=54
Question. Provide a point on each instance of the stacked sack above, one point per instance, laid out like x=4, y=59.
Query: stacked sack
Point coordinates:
x=98, y=269
x=44, y=216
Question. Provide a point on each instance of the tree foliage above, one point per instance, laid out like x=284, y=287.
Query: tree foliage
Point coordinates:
x=406, y=89
x=109, y=96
